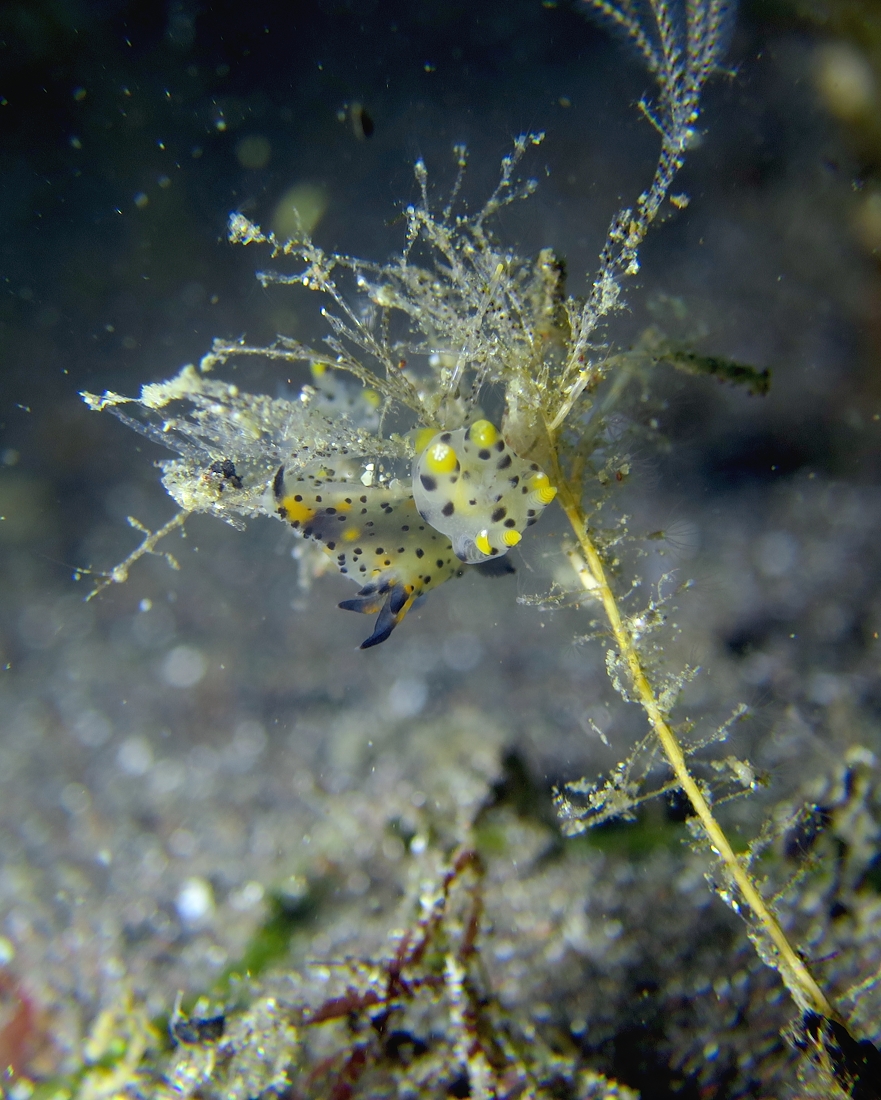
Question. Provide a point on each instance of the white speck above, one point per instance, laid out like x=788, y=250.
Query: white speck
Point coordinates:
x=195, y=901
x=183, y=667
x=358, y=883
x=462, y=652
x=251, y=894
x=393, y=848
x=203, y=761
x=75, y=798
x=92, y=729
x=776, y=553
x=216, y=956
x=825, y=688
x=249, y=738
x=182, y=843
x=407, y=696
x=167, y=776
x=135, y=757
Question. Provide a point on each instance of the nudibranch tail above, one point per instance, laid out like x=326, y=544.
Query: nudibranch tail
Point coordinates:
x=373, y=535
x=392, y=601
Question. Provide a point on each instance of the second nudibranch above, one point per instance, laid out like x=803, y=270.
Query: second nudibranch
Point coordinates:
x=470, y=499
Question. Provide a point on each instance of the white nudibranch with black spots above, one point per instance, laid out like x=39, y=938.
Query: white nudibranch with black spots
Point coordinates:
x=470, y=485
x=470, y=499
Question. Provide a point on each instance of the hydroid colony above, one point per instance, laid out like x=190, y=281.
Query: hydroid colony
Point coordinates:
x=389, y=463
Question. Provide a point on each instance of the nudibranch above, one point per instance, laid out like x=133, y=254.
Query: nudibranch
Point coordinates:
x=471, y=486
x=470, y=500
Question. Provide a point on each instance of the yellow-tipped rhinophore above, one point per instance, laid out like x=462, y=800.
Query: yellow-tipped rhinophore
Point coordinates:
x=483, y=433
x=542, y=490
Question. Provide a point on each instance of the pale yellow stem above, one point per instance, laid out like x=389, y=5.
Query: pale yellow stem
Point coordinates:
x=795, y=974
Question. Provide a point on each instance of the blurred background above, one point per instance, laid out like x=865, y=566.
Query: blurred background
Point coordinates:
x=190, y=744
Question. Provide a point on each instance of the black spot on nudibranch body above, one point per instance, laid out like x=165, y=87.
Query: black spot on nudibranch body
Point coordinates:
x=278, y=483
x=499, y=514
x=503, y=464
x=428, y=483
x=448, y=508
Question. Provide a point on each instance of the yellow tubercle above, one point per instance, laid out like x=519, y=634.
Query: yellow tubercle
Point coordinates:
x=441, y=459
x=482, y=543
x=351, y=534
x=295, y=510
x=422, y=438
x=511, y=538
x=483, y=433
